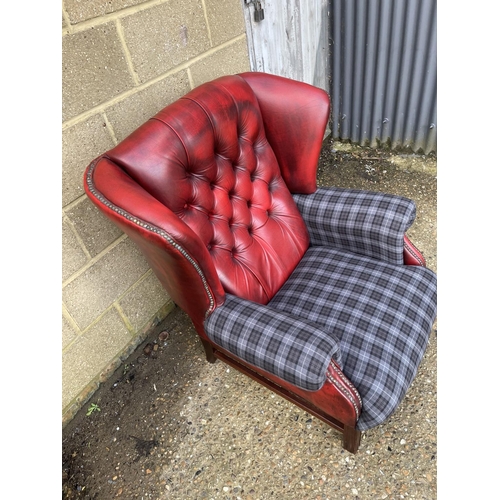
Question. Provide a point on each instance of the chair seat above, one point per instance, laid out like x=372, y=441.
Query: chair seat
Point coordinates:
x=371, y=317
x=381, y=313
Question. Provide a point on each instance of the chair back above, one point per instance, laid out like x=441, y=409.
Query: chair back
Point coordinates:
x=207, y=160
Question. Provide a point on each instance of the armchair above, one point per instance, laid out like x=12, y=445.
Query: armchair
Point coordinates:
x=317, y=294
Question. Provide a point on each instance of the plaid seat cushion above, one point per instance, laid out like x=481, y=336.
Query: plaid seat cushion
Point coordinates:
x=287, y=346
x=382, y=315
x=364, y=222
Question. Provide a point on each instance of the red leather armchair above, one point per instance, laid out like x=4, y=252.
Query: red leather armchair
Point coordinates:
x=315, y=293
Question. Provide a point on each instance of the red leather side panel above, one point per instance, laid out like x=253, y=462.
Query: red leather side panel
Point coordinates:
x=174, y=252
x=295, y=116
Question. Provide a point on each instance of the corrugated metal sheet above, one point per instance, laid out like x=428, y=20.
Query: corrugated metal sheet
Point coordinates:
x=384, y=68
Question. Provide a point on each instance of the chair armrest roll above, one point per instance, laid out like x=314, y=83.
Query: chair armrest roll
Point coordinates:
x=293, y=349
x=368, y=223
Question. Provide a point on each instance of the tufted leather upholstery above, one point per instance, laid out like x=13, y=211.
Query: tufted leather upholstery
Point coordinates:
x=212, y=146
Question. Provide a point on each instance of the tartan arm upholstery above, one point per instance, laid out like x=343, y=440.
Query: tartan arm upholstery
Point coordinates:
x=368, y=223
x=296, y=350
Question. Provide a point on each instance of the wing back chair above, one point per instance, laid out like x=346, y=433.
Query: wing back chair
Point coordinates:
x=316, y=293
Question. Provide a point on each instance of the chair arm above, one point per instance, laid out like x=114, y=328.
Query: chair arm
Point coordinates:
x=369, y=223
x=293, y=349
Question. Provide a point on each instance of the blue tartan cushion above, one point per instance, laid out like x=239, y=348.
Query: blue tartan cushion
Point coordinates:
x=285, y=345
x=365, y=222
x=382, y=315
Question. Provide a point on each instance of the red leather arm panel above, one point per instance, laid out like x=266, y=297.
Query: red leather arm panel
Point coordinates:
x=174, y=252
x=336, y=377
x=295, y=116
x=411, y=254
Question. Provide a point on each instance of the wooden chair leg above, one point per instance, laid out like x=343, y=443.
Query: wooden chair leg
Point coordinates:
x=209, y=351
x=352, y=439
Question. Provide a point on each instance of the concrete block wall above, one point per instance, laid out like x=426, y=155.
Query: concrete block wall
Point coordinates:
x=123, y=60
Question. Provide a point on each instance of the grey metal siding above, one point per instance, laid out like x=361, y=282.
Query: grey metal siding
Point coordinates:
x=384, y=73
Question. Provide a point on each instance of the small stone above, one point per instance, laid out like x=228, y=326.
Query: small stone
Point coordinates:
x=148, y=349
x=163, y=336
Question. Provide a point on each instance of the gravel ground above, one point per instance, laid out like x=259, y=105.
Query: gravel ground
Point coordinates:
x=169, y=425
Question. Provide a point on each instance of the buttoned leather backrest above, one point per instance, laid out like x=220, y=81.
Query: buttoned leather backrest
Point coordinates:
x=207, y=159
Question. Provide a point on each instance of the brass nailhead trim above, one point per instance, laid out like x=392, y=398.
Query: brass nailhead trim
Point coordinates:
x=151, y=228
x=345, y=392
x=413, y=253
x=357, y=407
